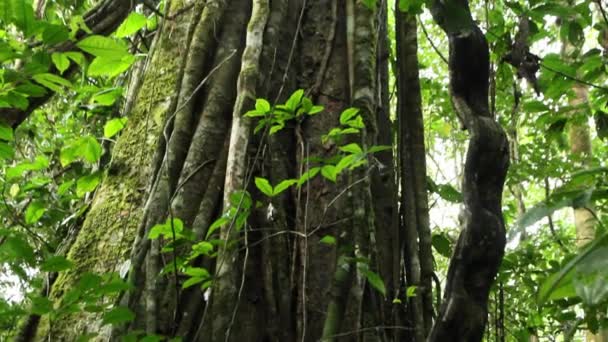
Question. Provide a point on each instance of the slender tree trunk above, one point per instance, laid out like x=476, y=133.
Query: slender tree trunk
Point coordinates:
x=414, y=199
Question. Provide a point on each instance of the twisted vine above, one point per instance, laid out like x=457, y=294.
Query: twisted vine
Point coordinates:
x=481, y=243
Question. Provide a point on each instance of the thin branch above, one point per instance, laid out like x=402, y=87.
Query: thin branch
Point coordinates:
x=602, y=11
x=550, y=218
x=428, y=38
x=574, y=78
x=149, y=5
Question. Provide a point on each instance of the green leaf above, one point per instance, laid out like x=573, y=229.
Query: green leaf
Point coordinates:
x=370, y=4
x=6, y=132
x=115, y=285
x=41, y=305
x=329, y=172
x=294, y=100
x=87, y=183
x=442, y=245
x=345, y=162
x=167, y=229
x=200, y=272
x=262, y=106
x=376, y=282
x=132, y=24
x=53, y=82
x=379, y=148
x=284, y=185
x=276, y=128
x=110, y=67
x=347, y=115
x=217, y=224
x=315, y=110
x=352, y=148
x=77, y=57
x=264, y=186
x=112, y=127
x=118, y=315
x=308, y=175
x=567, y=272
x=241, y=199
x=192, y=281
x=54, y=34
x=151, y=338
x=17, y=249
x=34, y=212
x=107, y=97
x=411, y=6
x=556, y=201
x=56, y=263
x=64, y=187
x=21, y=13
x=86, y=148
x=253, y=114
x=31, y=90
x=61, y=61
x=100, y=46
x=449, y=193
x=411, y=291
x=202, y=248
x=328, y=240
x=6, y=151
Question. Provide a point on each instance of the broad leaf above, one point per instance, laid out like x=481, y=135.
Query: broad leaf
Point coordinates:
x=132, y=24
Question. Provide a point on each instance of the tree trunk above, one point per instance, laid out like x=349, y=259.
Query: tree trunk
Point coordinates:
x=480, y=247
x=188, y=151
x=414, y=206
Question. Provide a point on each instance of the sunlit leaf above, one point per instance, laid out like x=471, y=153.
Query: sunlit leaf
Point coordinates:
x=112, y=127
x=134, y=22
x=34, y=212
x=264, y=186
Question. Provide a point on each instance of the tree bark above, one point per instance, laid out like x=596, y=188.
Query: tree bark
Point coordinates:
x=187, y=143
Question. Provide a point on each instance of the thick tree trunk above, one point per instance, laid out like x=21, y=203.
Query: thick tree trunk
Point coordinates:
x=480, y=247
x=187, y=143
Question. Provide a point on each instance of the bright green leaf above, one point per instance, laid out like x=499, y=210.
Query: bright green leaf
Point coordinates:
x=353, y=148
x=87, y=183
x=264, y=186
x=375, y=281
x=112, y=127
x=34, y=212
x=101, y=46
x=6, y=132
x=329, y=172
x=328, y=240
x=262, y=106
x=132, y=24
x=284, y=185
x=61, y=61
x=348, y=114
x=53, y=82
